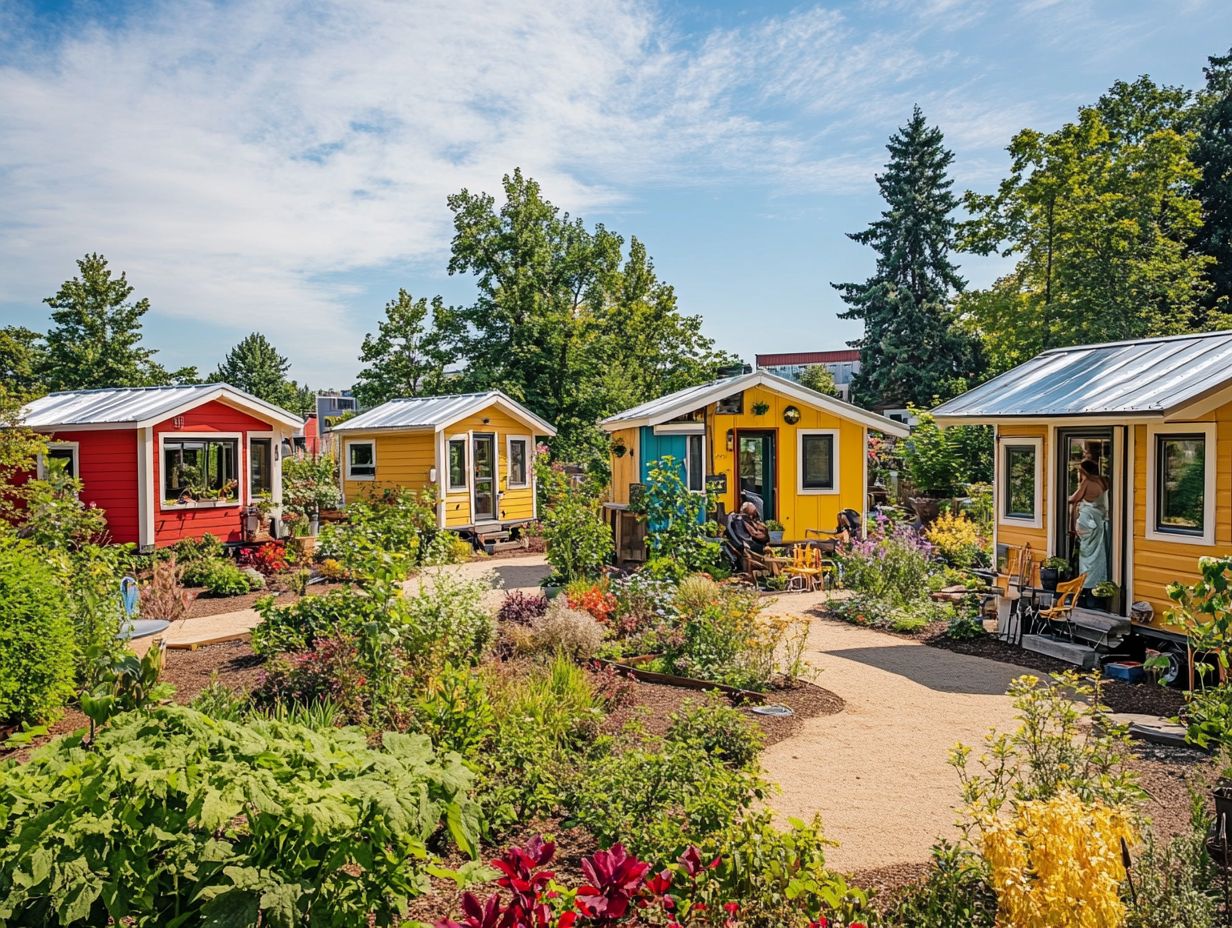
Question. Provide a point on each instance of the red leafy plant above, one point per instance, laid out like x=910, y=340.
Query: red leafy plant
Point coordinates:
x=595, y=600
x=268, y=558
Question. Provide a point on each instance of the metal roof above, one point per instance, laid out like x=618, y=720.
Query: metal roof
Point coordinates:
x=437, y=412
x=1151, y=377
x=666, y=408
x=138, y=407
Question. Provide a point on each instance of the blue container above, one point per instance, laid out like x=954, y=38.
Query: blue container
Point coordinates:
x=1129, y=671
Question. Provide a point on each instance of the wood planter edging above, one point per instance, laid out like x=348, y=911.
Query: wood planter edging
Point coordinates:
x=629, y=668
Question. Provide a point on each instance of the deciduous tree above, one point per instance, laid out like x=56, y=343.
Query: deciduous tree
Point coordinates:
x=911, y=352
x=1212, y=155
x=819, y=377
x=22, y=358
x=410, y=351
x=256, y=367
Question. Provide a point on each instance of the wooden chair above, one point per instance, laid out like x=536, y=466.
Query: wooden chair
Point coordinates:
x=806, y=568
x=1062, y=608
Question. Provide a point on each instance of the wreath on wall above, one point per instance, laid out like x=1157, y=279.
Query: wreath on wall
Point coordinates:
x=791, y=415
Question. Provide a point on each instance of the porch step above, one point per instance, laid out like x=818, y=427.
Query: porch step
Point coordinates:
x=1080, y=655
x=1099, y=628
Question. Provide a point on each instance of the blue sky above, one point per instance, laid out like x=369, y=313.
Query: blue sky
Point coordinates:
x=282, y=166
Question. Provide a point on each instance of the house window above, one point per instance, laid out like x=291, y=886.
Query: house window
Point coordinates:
x=361, y=460
x=200, y=470
x=694, y=463
x=260, y=467
x=65, y=454
x=457, y=464
x=519, y=463
x=1019, y=489
x=1180, y=488
x=817, y=461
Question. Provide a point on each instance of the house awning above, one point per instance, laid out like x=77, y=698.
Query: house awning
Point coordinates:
x=1159, y=378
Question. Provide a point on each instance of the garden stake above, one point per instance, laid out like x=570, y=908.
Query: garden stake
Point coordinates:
x=1129, y=877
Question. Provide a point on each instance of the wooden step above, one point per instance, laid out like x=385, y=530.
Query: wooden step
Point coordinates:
x=1100, y=628
x=1071, y=652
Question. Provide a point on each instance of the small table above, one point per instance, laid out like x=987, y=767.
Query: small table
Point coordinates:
x=141, y=628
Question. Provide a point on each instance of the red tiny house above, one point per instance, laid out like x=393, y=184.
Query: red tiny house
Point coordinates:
x=168, y=463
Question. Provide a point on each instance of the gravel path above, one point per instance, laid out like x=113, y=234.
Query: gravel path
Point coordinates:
x=877, y=771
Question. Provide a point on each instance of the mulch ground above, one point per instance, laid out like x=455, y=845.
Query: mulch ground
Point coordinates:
x=201, y=604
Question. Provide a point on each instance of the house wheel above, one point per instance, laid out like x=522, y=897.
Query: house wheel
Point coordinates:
x=1176, y=672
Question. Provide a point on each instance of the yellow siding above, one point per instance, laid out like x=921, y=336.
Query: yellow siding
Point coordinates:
x=516, y=503
x=1158, y=563
x=1012, y=533
x=624, y=468
x=796, y=511
x=403, y=459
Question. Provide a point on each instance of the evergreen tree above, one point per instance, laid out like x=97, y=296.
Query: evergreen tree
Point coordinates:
x=95, y=338
x=1212, y=154
x=256, y=367
x=408, y=353
x=911, y=352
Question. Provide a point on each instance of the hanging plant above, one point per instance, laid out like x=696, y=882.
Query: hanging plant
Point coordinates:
x=791, y=415
x=618, y=447
x=760, y=409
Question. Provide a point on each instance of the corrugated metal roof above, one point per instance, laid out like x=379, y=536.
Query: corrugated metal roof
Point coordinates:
x=135, y=405
x=433, y=412
x=1141, y=378
x=683, y=401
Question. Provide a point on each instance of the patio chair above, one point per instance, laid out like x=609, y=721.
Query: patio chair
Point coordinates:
x=1062, y=609
x=806, y=570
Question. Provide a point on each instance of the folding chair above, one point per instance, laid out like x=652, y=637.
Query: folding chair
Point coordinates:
x=1061, y=611
x=806, y=568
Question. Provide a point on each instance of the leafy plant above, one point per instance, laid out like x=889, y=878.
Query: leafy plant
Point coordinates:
x=222, y=578
x=310, y=484
x=931, y=460
x=593, y=598
x=1176, y=883
x=195, y=820
x=892, y=564
x=124, y=684
x=675, y=517
x=579, y=542
x=1204, y=610
x=1105, y=589
x=269, y=558
x=956, y=891
x=959, y=540
x=716, y=731
x=329, y=671
x=36, y=635
x=519, y=608
x=964, y=625
x=162, y=595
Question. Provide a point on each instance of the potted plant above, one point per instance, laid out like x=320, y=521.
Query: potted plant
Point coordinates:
x=1103, y=594
x=760, y=408
x=1052, y=571
x=775, y=528
x=932, y=464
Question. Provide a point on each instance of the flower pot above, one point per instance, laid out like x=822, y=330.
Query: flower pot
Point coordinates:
x=926, y=509
x=1049, y=576
x=776, y=538
x=551, y=590
x=305, y=545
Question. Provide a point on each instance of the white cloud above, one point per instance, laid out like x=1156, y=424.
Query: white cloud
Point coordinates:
x=235, y=158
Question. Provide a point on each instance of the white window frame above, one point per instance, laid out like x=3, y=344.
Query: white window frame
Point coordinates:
x=1208, y=432
x=241, y=469
x=346, y=453
x=273, y=440
x=464, y=487
x=72, y=446
x=835, y=462
x=1002, y=497
x=510, y=440
x=689, y=463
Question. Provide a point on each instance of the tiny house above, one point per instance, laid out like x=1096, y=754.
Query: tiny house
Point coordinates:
x=1155, y=417
x=475, y=449
x=166, y=463
x=798, y=455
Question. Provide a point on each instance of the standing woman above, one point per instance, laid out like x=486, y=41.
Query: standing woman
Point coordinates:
x=1089, y=521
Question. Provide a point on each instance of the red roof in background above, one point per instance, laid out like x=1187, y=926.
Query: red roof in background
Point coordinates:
x=808, y=357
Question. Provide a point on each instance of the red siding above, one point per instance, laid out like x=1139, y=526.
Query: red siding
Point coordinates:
x=173, y=524
x=808, y=357
x=107, y=460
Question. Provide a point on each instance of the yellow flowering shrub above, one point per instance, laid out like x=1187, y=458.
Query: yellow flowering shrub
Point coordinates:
x=1057, y=863
x=957, y=539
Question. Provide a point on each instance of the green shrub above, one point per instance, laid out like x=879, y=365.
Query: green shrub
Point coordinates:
x=383, y=539
x=717, y=731
x=674, y=517
x=448, y=619
x=579, y=541
x=36, y=635
x=1177, y=883
x=222, y=578
x=957, y=891
x=92, y=574
x=892, y=564
x=296, y=626
x=964, y=625
x=191, y=550
x=174, y=818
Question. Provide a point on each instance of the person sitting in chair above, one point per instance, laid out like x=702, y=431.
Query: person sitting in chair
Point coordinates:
x=748, y=531
x=848, y=528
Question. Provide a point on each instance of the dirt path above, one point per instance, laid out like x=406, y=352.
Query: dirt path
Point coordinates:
x=877, y=771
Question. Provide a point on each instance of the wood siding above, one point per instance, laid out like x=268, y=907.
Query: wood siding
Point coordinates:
x=107, y=466
x=171, y=523
x=403, y=459
x=1012, y=533
x=625, y=469
x=1158, y=563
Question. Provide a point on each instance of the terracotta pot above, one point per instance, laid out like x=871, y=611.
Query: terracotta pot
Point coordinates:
x=305, y=545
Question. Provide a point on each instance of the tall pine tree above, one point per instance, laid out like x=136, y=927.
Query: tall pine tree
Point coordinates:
x=95, y=338
x=256, y=367
x=911, y=352
x=1212, y=154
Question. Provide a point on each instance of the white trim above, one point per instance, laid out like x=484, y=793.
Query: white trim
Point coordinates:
x=1208, y=431
x=1131, y=514
x=528, y=443
x=73, y=446
x=688, y=461
x=680, y=428
x=1115, y=518
x=835, y=468
x=241, y=476
x=461, y=488
x=864, y=511
x=496, y=490
x=1001, y=498
x=346, y=458
x=274, y=481
x=146, y=485
x=995, y=520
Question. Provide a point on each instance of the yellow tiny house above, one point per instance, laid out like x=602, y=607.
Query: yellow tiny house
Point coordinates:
x=475, y=449
x=800, y=456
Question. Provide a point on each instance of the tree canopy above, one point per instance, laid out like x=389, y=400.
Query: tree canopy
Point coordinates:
x=911, y=352
x=819, y=377
x=256, y=367
x=1212, y=155
x=410, y=352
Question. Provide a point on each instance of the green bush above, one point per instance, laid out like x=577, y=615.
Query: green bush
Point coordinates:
x=717, y=731
x=675, y=517
x=384, y=539
x=448, y=618
x=957, y=891
x=579, y=541
x=36, y=635
x=172, y=818
x=222, y=578
x=1177, y=883
x=297, y=625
